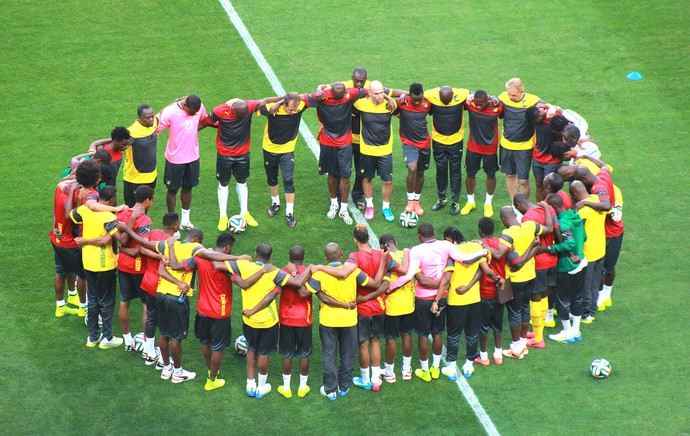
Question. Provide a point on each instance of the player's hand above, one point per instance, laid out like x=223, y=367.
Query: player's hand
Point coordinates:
x=361, y=299
x=171, y=240
x=316, y=268
x=434, y=309
x=57, y=233
x=274, y=109
x=575, y=258
x=351, y=305
x=246, y=257
x=120, y=208
x=184, y=287
x=462, y=289
x=579, y=205
x=318, y=96
x=544, y=204
x=616, y=213
x=247, y=313
x=165, y=260
x=268, y=268
x=122, y=226
x=79, y=240
x=291, y=268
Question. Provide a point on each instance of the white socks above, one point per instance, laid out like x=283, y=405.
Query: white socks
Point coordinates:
x=242, y=196
x=424, y=364
x=407, y=363
x=275, y=200
x=369, y=201
x=303, y=381
x=390, y=369
x=223, y=200
x=128, y=338
x=435, y=360
x=365, y=375
x=289, y=208
x=286, y=381
x=385, y=205
x=185, y=216
x=489, y=197
x=470, y=198
x=262, y=380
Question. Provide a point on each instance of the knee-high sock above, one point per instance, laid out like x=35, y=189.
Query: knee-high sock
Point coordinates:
x=242, y=196
x=544, y=309
x=223, y=200
x=537, y=323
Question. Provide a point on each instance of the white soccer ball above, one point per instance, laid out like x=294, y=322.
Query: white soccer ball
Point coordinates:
x=241, y=345
x=237, y=224
x=600, y=368
x=408, y=219
x=139, y=341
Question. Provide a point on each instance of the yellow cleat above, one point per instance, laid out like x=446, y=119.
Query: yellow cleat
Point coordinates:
x=601, y=308
x=73, y=300
x=222, y=224
x=551, y=323
x=467, y=208
x=81, y=312
x=214, y=384
x=424, y=375
x=251, y=222
x=488, y=211
x=287, y=393
x=608, y=303
x=303, y=392
x=435, y=372
x=61, y=311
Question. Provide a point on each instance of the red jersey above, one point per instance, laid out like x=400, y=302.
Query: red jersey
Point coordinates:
x=233, y=137
x=335, y=117
x=142, y=227
x=369, y=263
x=542, y=147
x=215, y=288
x=487, y=286
x=150, y=281
x=603, y=187
x=567, y=201
x=294, y=310
x=414, y=128
x=115, y=156
x=62, y=222
x=536, y=214
x=91, y=194
x=483, y=137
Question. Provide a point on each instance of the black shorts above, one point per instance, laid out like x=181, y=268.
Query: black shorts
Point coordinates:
x=173, y=316
x=286, y=163
x=546, y=278
x=613, y=250
x=130, y=286
x=68, y=261
x=261, y=341
x=381, y=165
x=475, y=161
x=492, y=316
x=516, y=162
x=414, y=154
x=518, y=307
x=427, y=322
x=181, y=175
x=369, y=327
x=212, y=332
x=540, y=169
x=129, y=189
x=394, y=326
x=295, y=342
x=228, y=166
x=336, y=161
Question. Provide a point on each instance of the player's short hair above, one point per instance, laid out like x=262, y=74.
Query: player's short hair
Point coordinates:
x=359, y=71
x=107, y=172
x=296, y=253
x=143, y=193
x=556, y=181
x=520, y=198
x=264, y=251
x=291, y=97
x=108, y=193
x=559, y=149
x=386, y=238
x=225, y=239
x=361, y=233
x=425, y=230
x=515, y=83
x=102, y=156
x=170, y=218
x=196, y=233
x=486, y=225
x=88, y=173
x=193, y=102
x=454, y=234
x=416, y=89
x=531, y=115
x=480, y=93
x=554, y=200
x=142, y=108
x=120, y=133
x=558, y=123
x=571, y=131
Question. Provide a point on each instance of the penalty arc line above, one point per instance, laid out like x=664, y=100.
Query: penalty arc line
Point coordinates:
x=237, y=22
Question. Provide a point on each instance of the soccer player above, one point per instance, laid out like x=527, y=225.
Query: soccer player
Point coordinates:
x=399, y=321
x=491, y=308
x=543, y=162
x=518, y=136
x=182, y=152
x=139, y=160
x=100, y=156
x=482, y=146
x=431, y=256
x=338, y=320
x=544, y=264
x=233, y=119
x=119, y=141
x=376, y=147
x=571, y=273
x=100, y=264
x=553, y=184
x=447, y=134
x=131, y=264
x=416, y=143
x=280, y=137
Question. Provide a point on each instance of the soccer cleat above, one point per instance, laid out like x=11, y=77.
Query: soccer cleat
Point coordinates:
x=90, y=344
x=449, y=372
x=347, y=219
x=440, y=204
x=498, y=359
x=357, y=381
x=214, y=384
x=129, y=347
x=343, y=393
x=563, y=337
x=467, y=208
x=361, y=205
x=369, y=214
x=454, y=208
x=601, y=307
x=150, y=360
x=435, y=372
x=467, y=369
x=332, y=396
x=488, y=211
x=520, y=354
x=530, y=335
x=222, y=224
x=388, y=215
x=251, y=390
x=61, y=311
x=81, y=312
x=577, y=337
x=166, y=373
x=482, y=362
x=302, y=392
x=407, y=375
x=273, y=210
x=410, y=206
x=263, y=391
x=291, y=222
x=112, y=343
x=608, y=302
x=375, y=387
x=287, y=393
x=390, y=378
x=587, y=320
x=550, y=324
x=187, y=226
x=418, y=208
x=535, y=344
x=332, y=211
x=251, y=222
x=424, y=375
x=73, y=300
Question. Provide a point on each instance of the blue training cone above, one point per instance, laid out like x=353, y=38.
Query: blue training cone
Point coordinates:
x=635, y=76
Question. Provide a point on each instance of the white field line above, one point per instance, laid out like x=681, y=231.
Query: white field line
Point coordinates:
x=462, y=384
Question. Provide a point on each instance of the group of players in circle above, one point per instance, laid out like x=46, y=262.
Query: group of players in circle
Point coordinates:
x=563, y=250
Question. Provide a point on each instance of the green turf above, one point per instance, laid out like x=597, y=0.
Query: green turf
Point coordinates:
x=73, y=70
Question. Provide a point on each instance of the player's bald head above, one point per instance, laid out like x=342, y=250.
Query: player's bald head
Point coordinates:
x=332, y=252
x=240, y=109
x=375, y=86
x=578, y=190
x=264, y=252
x=567, y=171
x=584, y=175
x=553, y=182
x=338, y=90
x=445, y=94
x=296, y=253
x=508, y=215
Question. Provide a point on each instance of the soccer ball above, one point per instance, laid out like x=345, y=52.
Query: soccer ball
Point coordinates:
x=408, y=219
x=241, y=345
x=139, y=341
x=600, y=368
x=237, y=224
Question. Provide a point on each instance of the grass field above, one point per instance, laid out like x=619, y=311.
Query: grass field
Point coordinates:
x=73, y=70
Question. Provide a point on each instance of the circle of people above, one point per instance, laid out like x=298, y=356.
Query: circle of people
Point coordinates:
x=558, y=253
